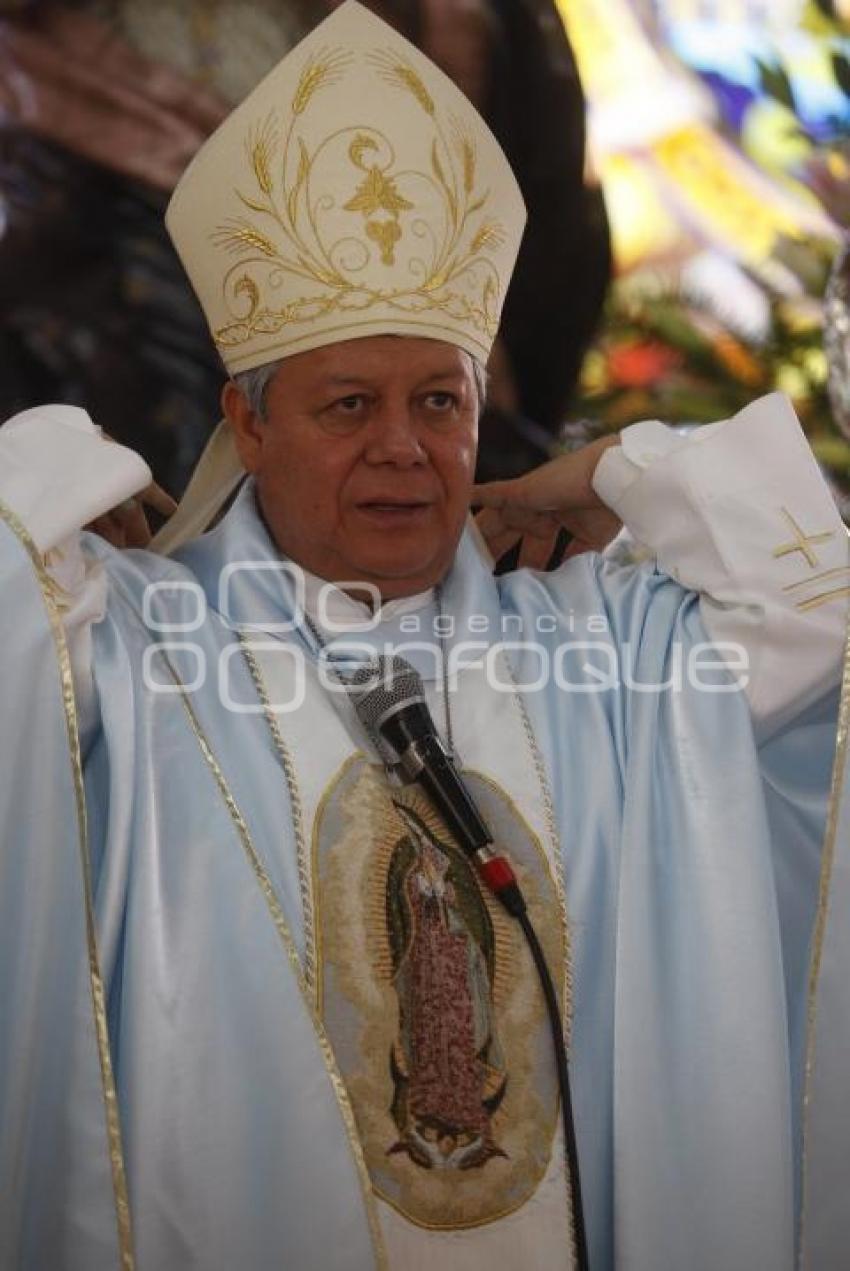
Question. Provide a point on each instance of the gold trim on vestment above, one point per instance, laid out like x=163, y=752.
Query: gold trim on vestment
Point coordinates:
x=815, y=602
x=827, y=862
x=817, y=578
x=802, y=542
x=277, y=916
x=69, y=706
x=305, y=882
x=557, y=865
x=321, y=807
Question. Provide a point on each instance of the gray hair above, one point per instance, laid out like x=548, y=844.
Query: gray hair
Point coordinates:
x=253, y=384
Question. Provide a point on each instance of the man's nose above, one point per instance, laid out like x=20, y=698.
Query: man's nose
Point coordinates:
x=394, y=438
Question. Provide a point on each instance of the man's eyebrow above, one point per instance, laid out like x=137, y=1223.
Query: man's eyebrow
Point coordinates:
x=453, y=373
x=336, y=381
x=354, y=380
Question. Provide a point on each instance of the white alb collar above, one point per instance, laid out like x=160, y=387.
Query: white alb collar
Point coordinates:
x=325, y=603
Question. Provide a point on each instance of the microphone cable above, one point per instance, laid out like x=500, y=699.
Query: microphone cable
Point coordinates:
x=520, y=913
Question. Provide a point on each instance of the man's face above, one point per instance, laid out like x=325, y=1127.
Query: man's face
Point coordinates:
x=364, y=463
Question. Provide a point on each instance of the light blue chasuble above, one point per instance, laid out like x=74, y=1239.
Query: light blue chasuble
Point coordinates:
x=206, y=1123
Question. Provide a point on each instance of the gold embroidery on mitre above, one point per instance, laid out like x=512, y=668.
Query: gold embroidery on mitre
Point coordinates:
x=376, y=193
x=285, y=233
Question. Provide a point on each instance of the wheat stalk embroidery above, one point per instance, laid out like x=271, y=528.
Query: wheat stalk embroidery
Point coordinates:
x=290, y=241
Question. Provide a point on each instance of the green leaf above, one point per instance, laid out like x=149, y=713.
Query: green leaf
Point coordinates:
x=776, y=84
x=841, y=71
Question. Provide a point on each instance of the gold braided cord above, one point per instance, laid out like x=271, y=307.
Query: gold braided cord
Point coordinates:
x=557, y=860
x=288, y=767
x=826, y=874
x=110, y=1098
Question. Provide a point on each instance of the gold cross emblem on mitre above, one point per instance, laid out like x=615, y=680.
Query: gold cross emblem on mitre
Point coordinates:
x=355, y=192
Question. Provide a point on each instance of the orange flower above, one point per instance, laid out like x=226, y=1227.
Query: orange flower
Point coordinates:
x=640, y=363
x=738, y=360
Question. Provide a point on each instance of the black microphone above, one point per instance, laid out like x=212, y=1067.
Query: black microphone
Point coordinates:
x=389, y=698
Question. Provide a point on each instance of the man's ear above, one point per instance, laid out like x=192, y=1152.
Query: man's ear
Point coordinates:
x=245, y=424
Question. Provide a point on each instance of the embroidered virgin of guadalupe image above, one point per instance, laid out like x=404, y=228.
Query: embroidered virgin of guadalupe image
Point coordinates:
x=430, y=999
x=448, y=1068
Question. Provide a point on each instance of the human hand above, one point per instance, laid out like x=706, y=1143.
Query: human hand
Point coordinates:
x=127, y=524
x=534, y=507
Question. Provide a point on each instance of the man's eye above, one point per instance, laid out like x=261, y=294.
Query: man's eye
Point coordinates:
x=349, y=405
x=440, y=401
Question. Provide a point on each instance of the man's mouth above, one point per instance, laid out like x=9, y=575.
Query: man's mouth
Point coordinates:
x=393, y=508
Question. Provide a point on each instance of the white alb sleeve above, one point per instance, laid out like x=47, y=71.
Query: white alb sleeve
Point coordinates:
x=739, y=512
x=57, y=473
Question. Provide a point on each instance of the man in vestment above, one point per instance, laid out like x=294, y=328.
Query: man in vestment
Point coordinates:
x=256, y=1008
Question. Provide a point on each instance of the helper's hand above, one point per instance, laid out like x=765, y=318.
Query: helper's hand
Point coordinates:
x=127, y=524
x=535, y=506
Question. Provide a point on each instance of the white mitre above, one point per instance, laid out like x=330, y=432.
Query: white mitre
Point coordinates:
x=354, y=192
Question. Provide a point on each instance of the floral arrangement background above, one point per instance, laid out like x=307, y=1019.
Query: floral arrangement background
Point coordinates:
x=705, y=313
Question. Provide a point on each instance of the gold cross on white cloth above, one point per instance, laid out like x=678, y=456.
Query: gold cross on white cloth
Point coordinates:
x=801, y=542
